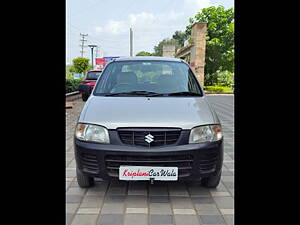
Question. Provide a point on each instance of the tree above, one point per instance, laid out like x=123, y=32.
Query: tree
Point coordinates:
x=219, y=38
x=143, y=53
x=69, y=71
x=180, y=36
x=158, y=49
x=81, y=65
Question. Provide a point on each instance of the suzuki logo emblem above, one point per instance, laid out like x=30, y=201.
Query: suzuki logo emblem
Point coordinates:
x=149, y=138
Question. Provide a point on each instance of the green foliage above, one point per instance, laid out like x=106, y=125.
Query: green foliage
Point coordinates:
x=81, y=65
x=69, y=71
x=220, y=38
x=72, y=84
x=180, y=36
x=218, y=89
x=158, y=49
x=225, y=78
x=221, y=78
x=143, y=53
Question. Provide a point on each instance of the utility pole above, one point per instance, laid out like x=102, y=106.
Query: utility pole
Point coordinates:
x=97, y=51
x=131, y=37
x=92, y=49
x=82, y=42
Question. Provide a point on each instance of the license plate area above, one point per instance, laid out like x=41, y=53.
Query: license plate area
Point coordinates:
x=148, y=172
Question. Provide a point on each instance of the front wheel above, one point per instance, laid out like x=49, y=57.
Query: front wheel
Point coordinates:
x=211, y=182
x=83, y=180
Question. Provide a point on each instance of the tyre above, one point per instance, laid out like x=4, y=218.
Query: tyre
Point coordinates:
x=211, y=182
x=84, y=97
x=84, y=181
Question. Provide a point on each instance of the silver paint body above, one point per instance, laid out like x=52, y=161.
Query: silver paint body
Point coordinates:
x=138, y=111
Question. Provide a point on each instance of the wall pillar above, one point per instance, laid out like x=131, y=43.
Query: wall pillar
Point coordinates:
x=168, y=51
x=198, y=36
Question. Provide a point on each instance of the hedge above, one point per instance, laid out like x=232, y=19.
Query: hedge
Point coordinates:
x=217, y=89
x=72, y=85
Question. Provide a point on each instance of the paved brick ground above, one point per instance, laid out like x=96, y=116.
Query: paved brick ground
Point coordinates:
x=140, y=203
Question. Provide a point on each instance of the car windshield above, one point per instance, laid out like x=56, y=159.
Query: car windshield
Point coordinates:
x=93, y=75
x=150, y=78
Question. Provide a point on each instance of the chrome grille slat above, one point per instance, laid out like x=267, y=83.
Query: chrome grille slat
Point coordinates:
x=136, y=136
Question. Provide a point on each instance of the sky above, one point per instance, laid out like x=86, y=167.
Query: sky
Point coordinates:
x=107, y=23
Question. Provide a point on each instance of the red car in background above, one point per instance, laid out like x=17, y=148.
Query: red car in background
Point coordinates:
x=90, y=80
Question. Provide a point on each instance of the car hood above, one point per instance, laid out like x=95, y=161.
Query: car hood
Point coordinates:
x=115, y=112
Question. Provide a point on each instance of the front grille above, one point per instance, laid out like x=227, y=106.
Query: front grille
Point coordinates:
x=89, y=163
x=183, y=162
x=208, y=162
x=138, y=136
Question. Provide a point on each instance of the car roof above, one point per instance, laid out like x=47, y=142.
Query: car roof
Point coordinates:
x=147, y=58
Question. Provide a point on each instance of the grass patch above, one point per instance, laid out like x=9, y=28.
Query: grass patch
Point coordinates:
x=218, y=89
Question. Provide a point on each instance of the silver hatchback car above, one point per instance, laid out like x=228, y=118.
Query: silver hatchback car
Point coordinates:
x=148, y=119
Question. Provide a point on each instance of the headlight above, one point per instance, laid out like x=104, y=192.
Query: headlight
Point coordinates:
x=89, y=132
x=206, y=134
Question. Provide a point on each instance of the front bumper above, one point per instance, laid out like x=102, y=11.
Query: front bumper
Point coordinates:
x=194, y=161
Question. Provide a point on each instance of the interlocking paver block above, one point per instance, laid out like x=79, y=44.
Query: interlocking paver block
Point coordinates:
x=212, y=219
x=112, y=208
x=160, y=208
x=115, y=198
x=84, y=220
x=71, y=207
x=207, y=209
x=137, y=210
x=205, y=200
x=161, y=219
x=88, y=211
x=110, y=219
x=159, y=199
x=231, y=190
x=186, y=220
x=178, y=189
x=227, y=211
x=219, y=193
x=184, y=211
x=91, y=202
x=136, y=219
x=99, y=189
x=76, y=191
x=136, y=201
x=229, y=185
x=117, y=188
x=197, y=190
x=74, y=198
x=224, y=202
x=181, y=202
x=227, y=178
x=229, y=219
x=138, y=188
x=69, y=218
x=158, y=189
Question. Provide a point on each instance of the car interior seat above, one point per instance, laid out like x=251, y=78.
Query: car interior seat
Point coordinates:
x=126, y=81
x=168, y=84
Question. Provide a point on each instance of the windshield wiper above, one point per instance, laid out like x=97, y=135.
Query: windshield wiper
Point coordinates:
x=143, y=93
x=184, y=93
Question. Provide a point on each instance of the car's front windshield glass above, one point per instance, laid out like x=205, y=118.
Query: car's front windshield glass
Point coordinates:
x=147, y=77
x=93, y=75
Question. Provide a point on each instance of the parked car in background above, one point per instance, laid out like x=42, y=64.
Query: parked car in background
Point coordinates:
x=148, y=119
x=90, y=80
